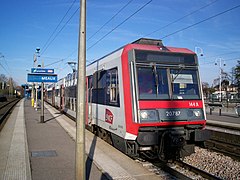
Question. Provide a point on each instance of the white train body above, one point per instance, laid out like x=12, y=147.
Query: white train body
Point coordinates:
x=164, y=122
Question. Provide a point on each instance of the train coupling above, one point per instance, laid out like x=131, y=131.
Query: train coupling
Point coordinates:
x=174, y=139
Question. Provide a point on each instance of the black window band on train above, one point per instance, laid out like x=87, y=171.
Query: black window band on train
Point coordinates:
x=162, y=75
x=103, y=87
x=165, y=58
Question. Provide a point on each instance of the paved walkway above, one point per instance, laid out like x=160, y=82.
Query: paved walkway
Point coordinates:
x=52, y=150
x=14, y=157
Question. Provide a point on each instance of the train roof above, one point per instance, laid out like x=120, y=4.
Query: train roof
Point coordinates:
x=157, y=45
x=147, y=41
x=149, y=44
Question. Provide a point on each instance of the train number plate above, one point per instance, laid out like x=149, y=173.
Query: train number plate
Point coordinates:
x=173, y=113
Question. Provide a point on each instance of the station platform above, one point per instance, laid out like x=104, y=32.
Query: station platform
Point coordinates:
x=33, y=150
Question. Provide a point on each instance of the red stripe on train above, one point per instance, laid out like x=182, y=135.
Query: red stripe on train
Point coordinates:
x=170, y=104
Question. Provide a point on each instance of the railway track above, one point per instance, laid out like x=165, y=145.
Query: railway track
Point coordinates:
x=197, y=171
x=226, y=141
x=177, y=170
x=5, y=109
x=172, y=171
x=225, y=148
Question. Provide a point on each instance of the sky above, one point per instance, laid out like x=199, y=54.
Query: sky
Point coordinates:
x=208, y=26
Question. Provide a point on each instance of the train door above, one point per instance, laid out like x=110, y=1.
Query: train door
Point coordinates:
x=89, y=101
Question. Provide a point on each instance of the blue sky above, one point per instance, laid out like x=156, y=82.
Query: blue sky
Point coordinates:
x=27, y=24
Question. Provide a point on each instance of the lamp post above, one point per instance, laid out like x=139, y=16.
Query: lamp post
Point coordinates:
x=2, y=56
x=73, y=65
x=199, y=50
x=220, y=76
x=36, y=55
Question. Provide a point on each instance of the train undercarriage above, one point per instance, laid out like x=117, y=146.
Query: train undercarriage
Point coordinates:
x=156, y=143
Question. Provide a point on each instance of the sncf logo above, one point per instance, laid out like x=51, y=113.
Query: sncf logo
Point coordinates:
x=193, y=104
x=108, y=116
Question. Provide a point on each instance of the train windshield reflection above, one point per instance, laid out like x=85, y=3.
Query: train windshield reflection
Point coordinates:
x=153, y=83
x=184, y=84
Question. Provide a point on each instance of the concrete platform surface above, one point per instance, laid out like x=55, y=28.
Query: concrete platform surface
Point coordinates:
x=113, y=163
x=51, y=149
x=14, y=157
x=41, y=151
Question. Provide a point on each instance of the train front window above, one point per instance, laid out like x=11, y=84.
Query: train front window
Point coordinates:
x=152, y=83
x=184, y=83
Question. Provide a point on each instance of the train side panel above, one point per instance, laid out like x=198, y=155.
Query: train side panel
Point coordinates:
x=106, y=114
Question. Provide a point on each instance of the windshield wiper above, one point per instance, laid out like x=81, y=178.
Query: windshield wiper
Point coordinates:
x=181, y=66
x=154, y=69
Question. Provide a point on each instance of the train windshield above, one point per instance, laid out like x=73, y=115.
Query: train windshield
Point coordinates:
x=167, y=83
x=184, y=84
x=152, y=83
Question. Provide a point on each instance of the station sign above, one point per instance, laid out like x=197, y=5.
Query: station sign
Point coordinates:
x=42, y=77
x=42, y=71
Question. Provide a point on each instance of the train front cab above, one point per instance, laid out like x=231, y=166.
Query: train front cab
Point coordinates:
x=168, y=113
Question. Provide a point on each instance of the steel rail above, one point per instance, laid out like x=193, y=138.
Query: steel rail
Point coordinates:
x=197, y=171
x=165, y=167
x=4, y=111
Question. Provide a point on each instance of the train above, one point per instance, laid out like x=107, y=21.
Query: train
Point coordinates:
x=144, y=98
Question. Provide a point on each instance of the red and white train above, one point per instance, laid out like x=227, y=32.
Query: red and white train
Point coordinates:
x=144, y=99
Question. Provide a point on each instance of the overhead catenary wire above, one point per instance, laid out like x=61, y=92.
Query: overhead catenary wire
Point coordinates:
x=129, y=2
x=1, y=64
x=130, y=17
x=61, y=60
x=222, y=54
x=5, y=69
x=125, y=20
x=199, y=22
x=60, y=30
x=58, y=25
x=6, y=63
x=237, y=58
x=179, y=19
x=166, y=25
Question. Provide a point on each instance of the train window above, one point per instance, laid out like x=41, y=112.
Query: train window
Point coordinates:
x=105, y=88
x=90, y=85
x=99, y=87
x=113, y=89
x=99, y=79
x=57, y=92
x=49, y=94
x=75, y=104
x=184, y=84
x=152, y=83
x=67, y=102
x=165, y=58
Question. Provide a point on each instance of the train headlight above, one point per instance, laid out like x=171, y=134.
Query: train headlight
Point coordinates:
x=197, y=113
x=148, y=115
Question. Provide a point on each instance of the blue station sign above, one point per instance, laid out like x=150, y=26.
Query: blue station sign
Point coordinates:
x=42, y=77
x=42, y=71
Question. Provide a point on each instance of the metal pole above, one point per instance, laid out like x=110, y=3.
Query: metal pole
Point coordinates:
x=36, y=93
x=81, y=106
x=33, y=87
x=32, y=95
x=220, y=79
x=42, y=102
